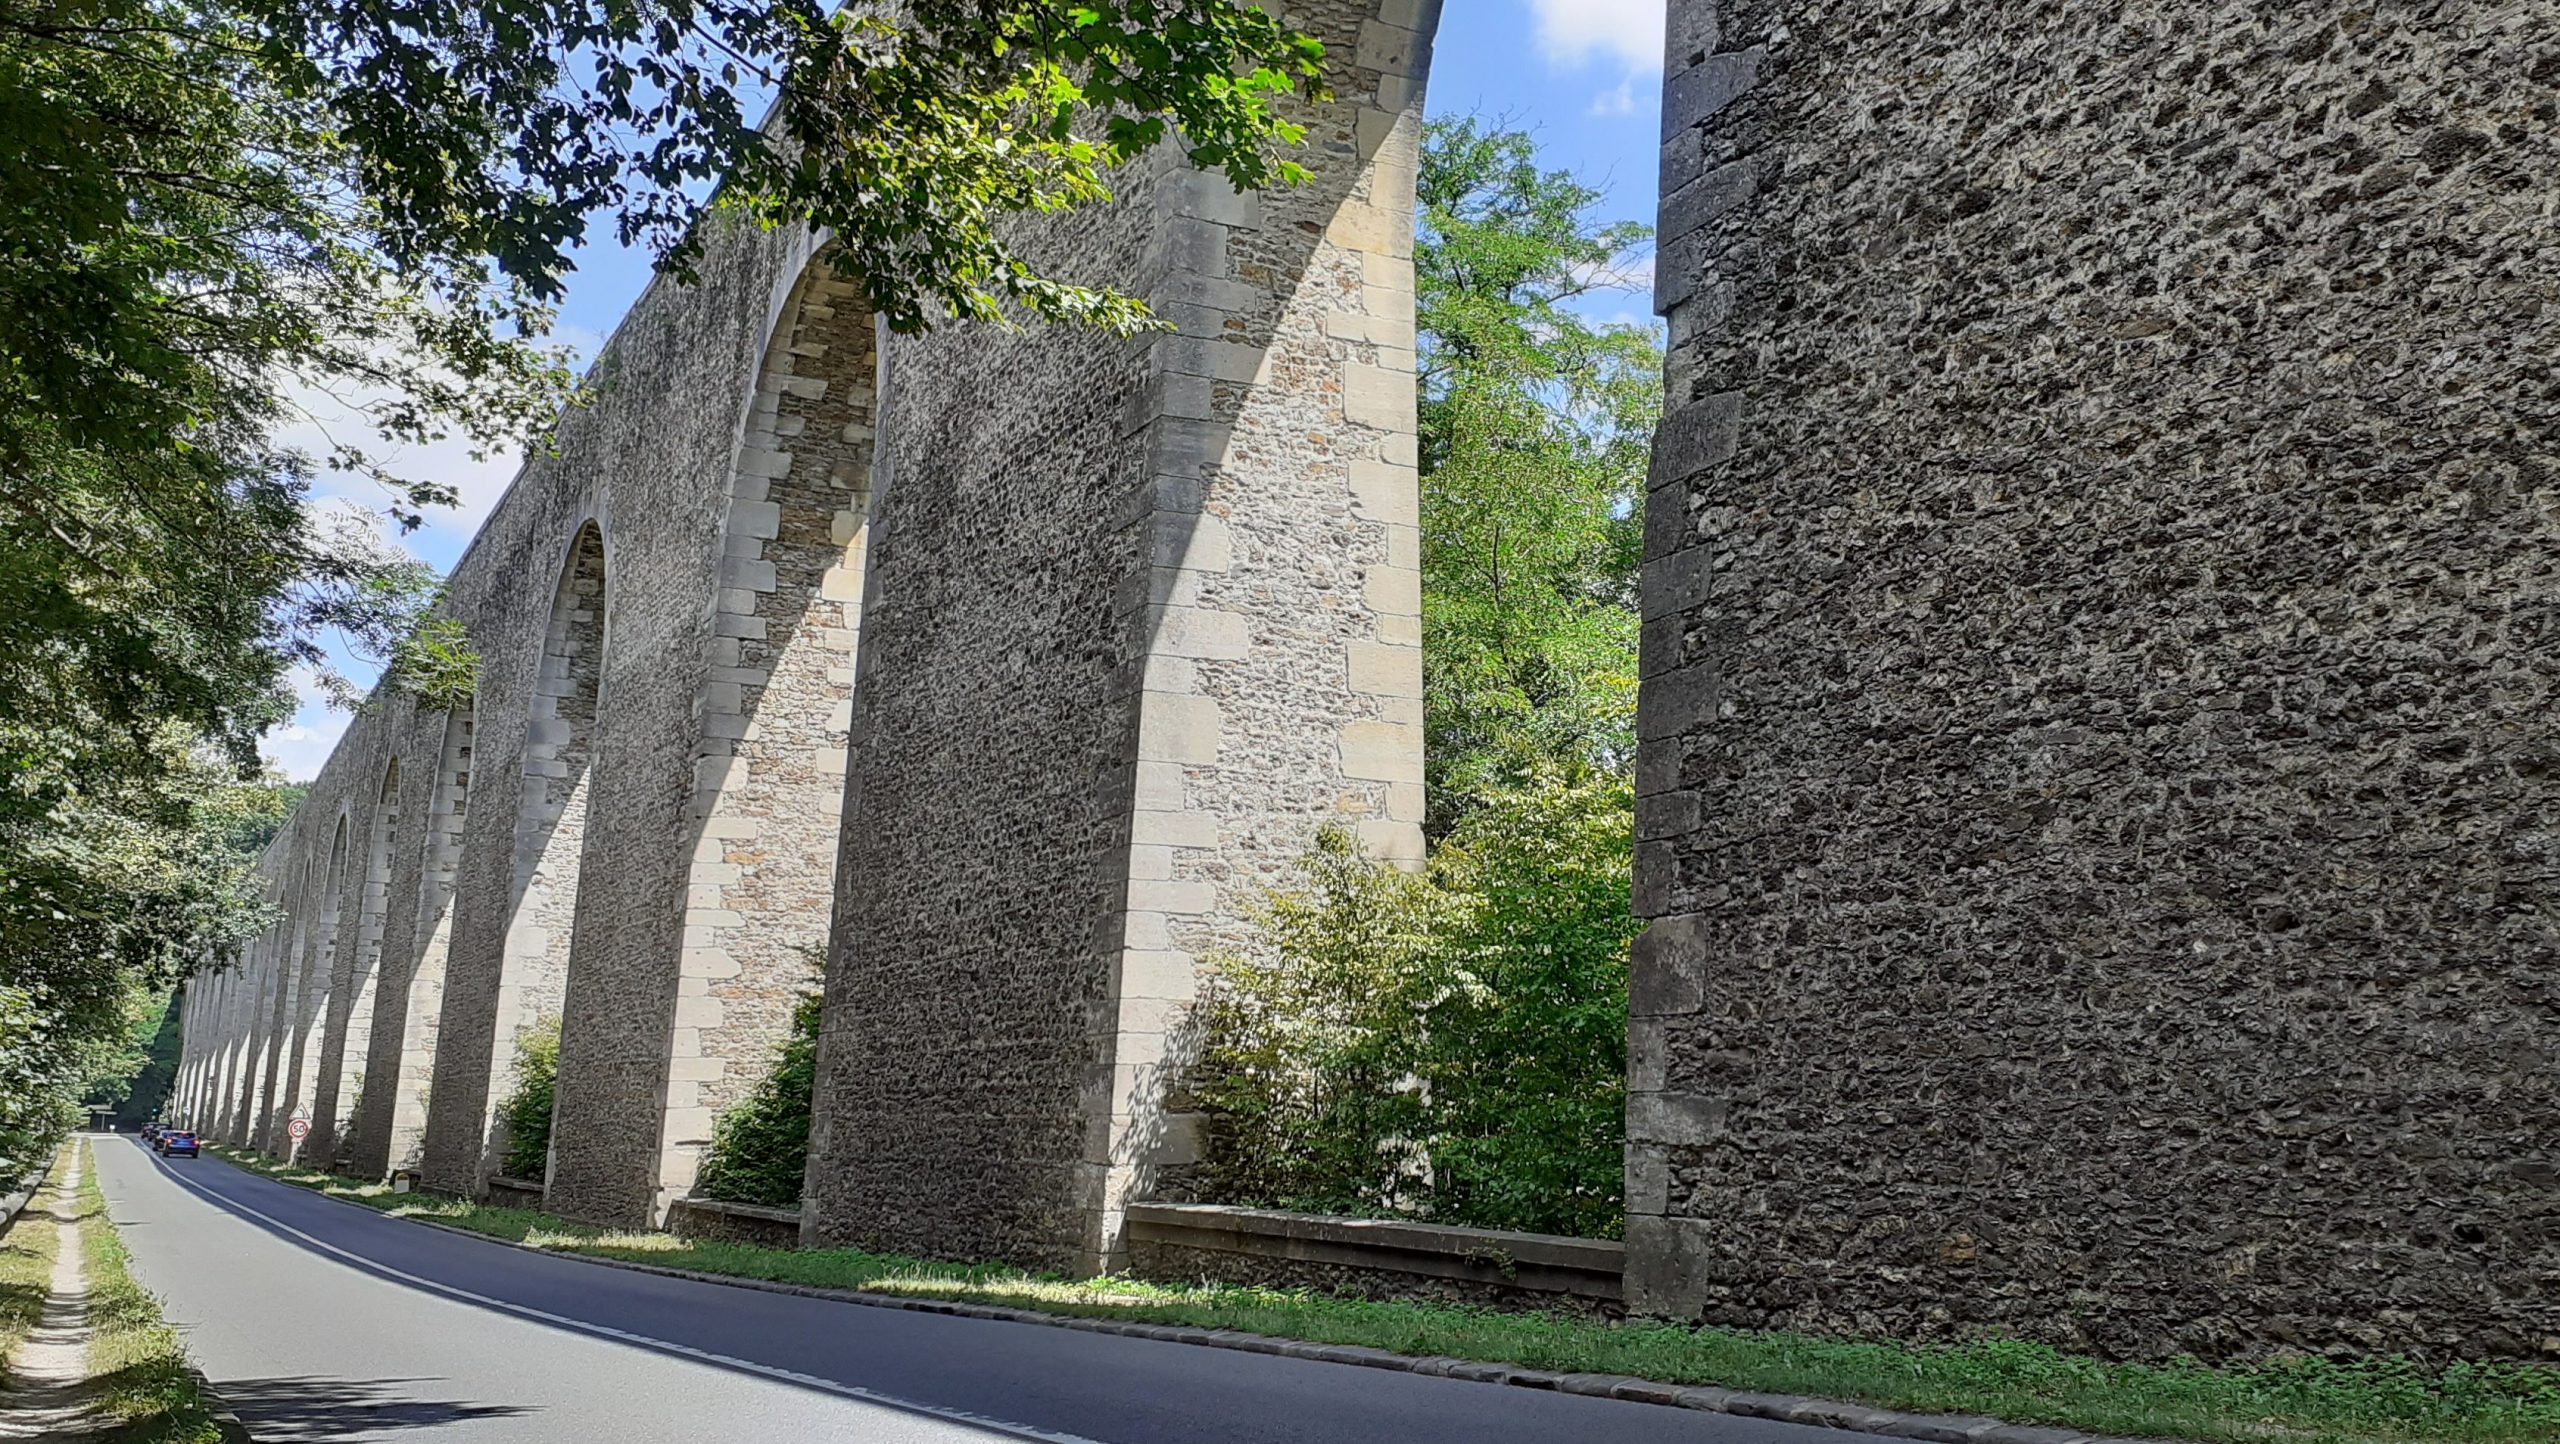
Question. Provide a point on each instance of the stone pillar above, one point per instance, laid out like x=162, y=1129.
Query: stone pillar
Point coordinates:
x=226, y=1059
x=2096, y=778
x=417, y=931
x=248, y=1009
x=1140, y=618
x=277, y=1026
x=355, y=978
x=775, y=717
x=223, y=1042
x=306, y=1003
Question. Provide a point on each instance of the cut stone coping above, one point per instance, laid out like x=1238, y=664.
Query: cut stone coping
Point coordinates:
x=718, y=1218
x=513, y=1192
x=1787, y=1408
x=769, y=1214
x=1543, y=1262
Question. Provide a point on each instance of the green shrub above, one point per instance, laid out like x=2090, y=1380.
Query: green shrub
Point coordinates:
x=760, y=1149
x=526, y=1113
x=1449, y=1046
x=1308, y=1047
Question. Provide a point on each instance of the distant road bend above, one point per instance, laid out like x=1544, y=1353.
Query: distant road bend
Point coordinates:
x=322, y=1321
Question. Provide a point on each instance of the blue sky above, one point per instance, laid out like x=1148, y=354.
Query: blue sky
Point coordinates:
x=1583, y=76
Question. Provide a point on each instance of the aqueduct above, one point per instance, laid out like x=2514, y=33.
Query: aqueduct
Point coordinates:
x=2097, y=788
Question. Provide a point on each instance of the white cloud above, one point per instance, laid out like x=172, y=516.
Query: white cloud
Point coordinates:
x=352, y=507
x=1621, y=101
x=297, y=748
x=1572, y=32
x=321, y=418
x=1624, y=273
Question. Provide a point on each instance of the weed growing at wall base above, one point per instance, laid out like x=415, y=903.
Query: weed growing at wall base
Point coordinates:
x=760, y=1150
x=1448, y=1046
x=2309, y=1401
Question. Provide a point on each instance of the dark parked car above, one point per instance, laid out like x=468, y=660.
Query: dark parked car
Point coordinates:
x=175, y=1144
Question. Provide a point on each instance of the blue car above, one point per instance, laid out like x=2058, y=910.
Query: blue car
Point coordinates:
x=175, y=1144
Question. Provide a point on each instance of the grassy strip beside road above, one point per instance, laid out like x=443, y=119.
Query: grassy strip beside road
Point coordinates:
x=137, y=1367
x=26, y=1265
x=2311, y=1401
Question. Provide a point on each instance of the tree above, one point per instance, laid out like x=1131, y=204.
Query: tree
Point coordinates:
x=1449, y=1046
x=760, y=1147
x=1524, y=1043
x=524, y=1115
x=1309, y=1041
x=154, y=1042
x=109, y=905
x=1535, y=429
x=909, y=132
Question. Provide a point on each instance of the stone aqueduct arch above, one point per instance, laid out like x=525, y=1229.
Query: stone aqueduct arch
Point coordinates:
x=1131, y=646
x=2094, y=782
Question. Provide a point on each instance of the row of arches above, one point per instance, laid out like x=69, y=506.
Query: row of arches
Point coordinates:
x=297, y=1018
x=1148, y=618
x=377, y=1026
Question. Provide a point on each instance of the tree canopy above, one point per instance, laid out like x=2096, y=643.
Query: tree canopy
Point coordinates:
x=910, y=132
x=111, y=901
x=1536, y=424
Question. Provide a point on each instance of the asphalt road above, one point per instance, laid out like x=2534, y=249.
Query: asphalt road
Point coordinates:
x=320, y=1320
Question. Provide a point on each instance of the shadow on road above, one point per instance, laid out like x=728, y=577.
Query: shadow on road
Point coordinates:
x=317, y=1408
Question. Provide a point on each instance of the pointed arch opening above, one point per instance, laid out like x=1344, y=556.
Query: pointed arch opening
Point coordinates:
x=559, y=754
x=391, y=1128
x=354, y=982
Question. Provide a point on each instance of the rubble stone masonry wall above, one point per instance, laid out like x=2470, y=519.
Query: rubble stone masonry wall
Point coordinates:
x=1141, y=616
x=2100, y=797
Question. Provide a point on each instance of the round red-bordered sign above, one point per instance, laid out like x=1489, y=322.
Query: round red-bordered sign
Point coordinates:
x=298, y=1129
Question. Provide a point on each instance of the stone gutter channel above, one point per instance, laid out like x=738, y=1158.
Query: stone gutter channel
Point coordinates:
x=1786, y=1408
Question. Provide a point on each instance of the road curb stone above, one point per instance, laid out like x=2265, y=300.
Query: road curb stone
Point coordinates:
x=225, y=1418
x=1785, y=1408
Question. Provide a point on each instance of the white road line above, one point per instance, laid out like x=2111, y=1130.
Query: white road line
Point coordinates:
x=625, y=1336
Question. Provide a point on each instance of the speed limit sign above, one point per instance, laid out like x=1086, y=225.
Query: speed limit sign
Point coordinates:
x=298, y=1129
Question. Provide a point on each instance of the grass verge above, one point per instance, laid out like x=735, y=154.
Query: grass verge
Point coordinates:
x=2313, y=1401
x=26, y=1265
x=137, y=1368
